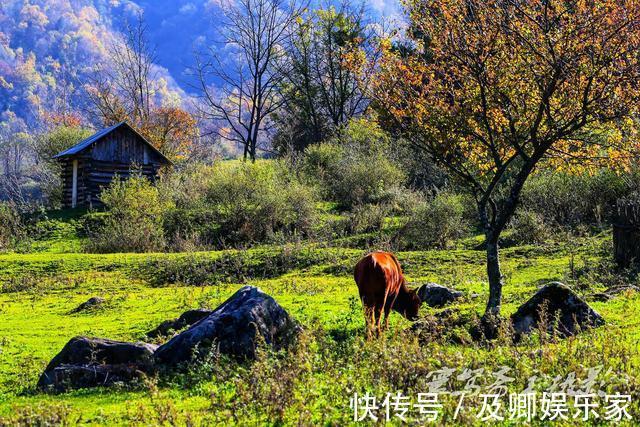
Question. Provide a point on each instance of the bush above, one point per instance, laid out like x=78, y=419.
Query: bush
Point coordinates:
x=92, y=222
x=423, y=174
x=356, y=167
x=12, y=228
x=434, y=224
x=528, y=227
x=49, y=170
x=134, y=221
x=254, y=201
x=240, y=203
x=402, y=201
x=570, y=200
x=367, y=218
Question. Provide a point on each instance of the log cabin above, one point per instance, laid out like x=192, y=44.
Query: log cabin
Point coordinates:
x=93, y=163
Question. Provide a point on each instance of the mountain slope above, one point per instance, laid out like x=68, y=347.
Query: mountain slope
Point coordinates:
x=48, y=48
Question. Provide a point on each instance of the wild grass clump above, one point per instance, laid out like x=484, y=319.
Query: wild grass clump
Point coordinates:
x=312, y=383
x=233, y=266
x=43, y=414
x=21, y=283
x=602, y=274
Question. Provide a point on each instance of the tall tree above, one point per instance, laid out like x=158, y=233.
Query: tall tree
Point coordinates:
x=173, y=131
x=247, y=77
x=127, y=88
x=492, y=88
x=321, y=90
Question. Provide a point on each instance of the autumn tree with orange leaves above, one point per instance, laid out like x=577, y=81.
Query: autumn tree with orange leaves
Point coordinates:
x=173, y=131
x=490, y=89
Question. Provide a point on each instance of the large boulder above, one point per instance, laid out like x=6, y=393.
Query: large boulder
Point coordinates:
x=236, y=327
x=435, y=295
x=559, y=308
x=187, y=318
x=91, y=304
x=71, y=377
x=89, y=362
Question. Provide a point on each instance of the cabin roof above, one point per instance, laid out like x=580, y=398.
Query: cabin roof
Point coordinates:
x=86, y=143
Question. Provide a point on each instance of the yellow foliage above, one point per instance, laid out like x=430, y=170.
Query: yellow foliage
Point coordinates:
x=485, y=90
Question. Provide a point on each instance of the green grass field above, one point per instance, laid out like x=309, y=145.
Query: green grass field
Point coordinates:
x=312, y=383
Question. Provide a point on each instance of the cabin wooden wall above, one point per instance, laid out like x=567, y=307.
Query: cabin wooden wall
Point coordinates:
x=123, y=147
x=101, y=173
x=67, y=178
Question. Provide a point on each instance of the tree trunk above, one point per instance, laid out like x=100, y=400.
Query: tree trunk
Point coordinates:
x=494, y=274
x=493, y=227
x=253, y=153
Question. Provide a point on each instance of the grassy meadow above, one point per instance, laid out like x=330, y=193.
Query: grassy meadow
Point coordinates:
x=492, y=146
x=312, y=383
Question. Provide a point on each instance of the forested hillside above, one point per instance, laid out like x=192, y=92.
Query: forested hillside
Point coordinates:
x=49, y=49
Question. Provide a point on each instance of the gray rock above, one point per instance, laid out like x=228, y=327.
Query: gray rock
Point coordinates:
x=70, y=377
x=90, y=304
x=188, y=318
x=236, y=327
x=435, y=295
x=601, y=296
x=82, y=355
x=555, y=301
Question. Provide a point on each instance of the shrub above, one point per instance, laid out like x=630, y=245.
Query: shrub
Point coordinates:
x=49, y=228
x=253, y=201
x=238, y=203
x=401, y=200
x=192, y=225
x=570, y=200
x=434, y=224
x=528, y=227
x=423, y=174
x=134, y=221
x=49, y=170
x=12, y=228
x=356, y=167
x=367, y=218
x=92, y=222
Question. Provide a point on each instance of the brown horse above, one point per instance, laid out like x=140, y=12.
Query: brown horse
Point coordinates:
x=383, y=287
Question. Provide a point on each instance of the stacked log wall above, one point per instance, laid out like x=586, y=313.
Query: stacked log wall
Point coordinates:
x=67, y=180
x=101, y=174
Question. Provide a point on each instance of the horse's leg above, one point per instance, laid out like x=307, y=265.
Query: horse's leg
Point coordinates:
x=387, y=310
x=369, y=314
x=378, y=318
x=371, y=322
x=380, y=309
